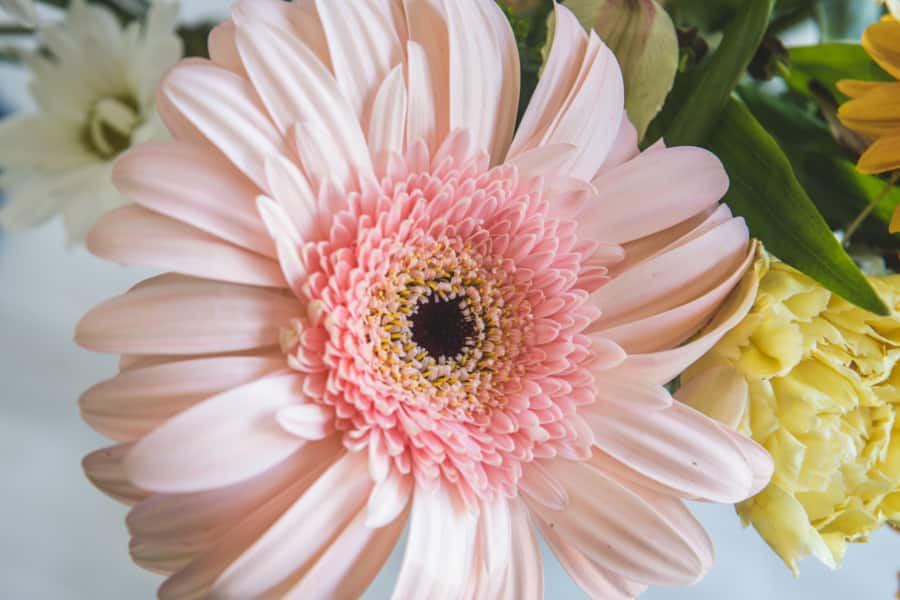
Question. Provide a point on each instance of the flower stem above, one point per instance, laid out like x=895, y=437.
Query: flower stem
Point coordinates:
x=858, y=221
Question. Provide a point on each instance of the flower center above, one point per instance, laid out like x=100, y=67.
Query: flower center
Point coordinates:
x=110, y=125
x=442, y=327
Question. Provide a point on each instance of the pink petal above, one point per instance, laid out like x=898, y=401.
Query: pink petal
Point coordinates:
x=388, y=499
x=388, y=122
x=676, y=277
x=719, y=392
x=363, y=46
x=223, y=47
x=300, y=534
x=618, y=530
x=310, y=94
x=437, y=559
x=293, y=193
x=484, y=74
x=307, y=421
x=624, y=148
x=559, y=73
x=192, y=317
x=104, y=468
x=524, y=579
x=137, y=401
x=621, y=391
x=172, y=529
x=638, y=198
x=662, y=367
x=201, y=188
x=678, y=447
x=133, y=235
x=593, y=579
x=421, y=120
x=221, y=441
x=224, y=108
x=351, y=562
x=672, y=327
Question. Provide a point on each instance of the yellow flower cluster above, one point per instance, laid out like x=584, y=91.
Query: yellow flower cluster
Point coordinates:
x=817, y=382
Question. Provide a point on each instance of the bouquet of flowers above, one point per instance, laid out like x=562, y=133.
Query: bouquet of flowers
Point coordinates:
x=490, y=271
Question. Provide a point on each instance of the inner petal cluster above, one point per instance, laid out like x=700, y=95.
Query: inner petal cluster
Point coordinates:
x=453, y=343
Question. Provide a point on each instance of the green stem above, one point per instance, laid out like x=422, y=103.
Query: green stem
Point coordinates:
x=861, y=217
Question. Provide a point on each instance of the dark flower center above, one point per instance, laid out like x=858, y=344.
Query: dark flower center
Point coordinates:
x=441, y=327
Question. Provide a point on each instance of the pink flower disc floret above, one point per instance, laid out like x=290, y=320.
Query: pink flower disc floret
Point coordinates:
x=445, y=320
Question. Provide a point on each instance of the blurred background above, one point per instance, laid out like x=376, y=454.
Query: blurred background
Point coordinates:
x=62, y=539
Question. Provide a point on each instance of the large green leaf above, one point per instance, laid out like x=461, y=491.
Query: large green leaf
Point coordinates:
x=766, y=193
x=828, y=64
x=694, y=107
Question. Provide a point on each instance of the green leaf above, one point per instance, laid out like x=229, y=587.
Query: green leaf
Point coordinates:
x=839, y=191
x=697, y=103
x=828, y=64
x=766, y=193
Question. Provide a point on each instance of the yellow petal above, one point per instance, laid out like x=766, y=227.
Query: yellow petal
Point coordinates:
x=882, y=41
x=855, y=88
x=882, y=156
x=876, y=113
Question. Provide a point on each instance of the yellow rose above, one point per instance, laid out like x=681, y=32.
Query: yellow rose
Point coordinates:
x=814, y=380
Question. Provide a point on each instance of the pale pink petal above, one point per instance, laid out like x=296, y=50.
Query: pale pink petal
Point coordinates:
x=429, y=72
x=670, y=328
x=310, y=94
x=388, y=499
x=524, y=579
x=545, y=160
x=104, y=468
x=421, y=120
x=300, y=534
x=484, y=74
x=636, y=393
x=638, y=197
x=438, y=550
x=350, y=563
x=624, y=148
x=618, y=530
x=364, y=48
x=224, y=108
x=196, y=317
x=307, y=421
x=387, y=126
x=541, y=486
x=557, y=79
x=593, y=579
x=678, y=447
x=678, y=276
x=662, y=367
x=198, y=578
x=133, y=235
x=291, y=190
x=200, y=188
x=169, y=530
x=139, y=400
x=221, y=441
x=223, y=47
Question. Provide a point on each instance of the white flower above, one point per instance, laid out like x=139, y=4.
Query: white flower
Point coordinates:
x=94, y=87
x=21, y=10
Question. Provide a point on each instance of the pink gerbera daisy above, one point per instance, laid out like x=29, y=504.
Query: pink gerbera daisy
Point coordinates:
x=384, y=308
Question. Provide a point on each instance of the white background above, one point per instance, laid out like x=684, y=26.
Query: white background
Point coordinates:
x=62, y=539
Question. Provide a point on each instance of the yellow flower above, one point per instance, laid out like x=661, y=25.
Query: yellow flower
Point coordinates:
x=874, y=108
x=816, y=381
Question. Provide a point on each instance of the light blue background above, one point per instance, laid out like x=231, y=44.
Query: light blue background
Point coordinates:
x=62, y=539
